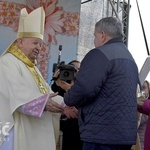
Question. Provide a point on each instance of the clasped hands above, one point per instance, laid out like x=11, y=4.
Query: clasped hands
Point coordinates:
x=140, y=100
x=52, y=106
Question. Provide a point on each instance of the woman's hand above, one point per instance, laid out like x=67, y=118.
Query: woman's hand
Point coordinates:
x=64, y=85
x=140, y=100
x=56, y=74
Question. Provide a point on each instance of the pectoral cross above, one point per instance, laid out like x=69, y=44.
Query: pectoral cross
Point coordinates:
x=42, y=87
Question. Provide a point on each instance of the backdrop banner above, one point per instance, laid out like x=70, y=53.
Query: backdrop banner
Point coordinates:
x=61, y=28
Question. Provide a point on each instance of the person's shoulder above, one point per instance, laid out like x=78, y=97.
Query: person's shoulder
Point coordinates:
x=95, y=52
x=94, y=56
x=7, y=56
x=8, y=59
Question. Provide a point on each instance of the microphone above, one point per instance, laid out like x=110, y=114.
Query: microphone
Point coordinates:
x=60, y=48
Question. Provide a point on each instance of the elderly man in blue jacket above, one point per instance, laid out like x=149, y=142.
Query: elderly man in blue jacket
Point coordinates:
x=105, y=91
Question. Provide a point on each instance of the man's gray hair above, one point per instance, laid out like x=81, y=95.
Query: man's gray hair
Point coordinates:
x=111, y=26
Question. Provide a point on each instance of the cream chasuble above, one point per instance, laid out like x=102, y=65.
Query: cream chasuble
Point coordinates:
x=22, y=83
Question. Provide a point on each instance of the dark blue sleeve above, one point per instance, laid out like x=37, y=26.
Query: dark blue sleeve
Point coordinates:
x=92, y=74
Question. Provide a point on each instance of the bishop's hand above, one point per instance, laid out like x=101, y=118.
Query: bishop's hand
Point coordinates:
x=52, y=106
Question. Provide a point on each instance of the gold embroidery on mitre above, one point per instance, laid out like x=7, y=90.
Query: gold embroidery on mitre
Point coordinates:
x=30, y=34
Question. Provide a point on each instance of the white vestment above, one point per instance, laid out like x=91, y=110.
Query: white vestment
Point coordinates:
x=18, y=88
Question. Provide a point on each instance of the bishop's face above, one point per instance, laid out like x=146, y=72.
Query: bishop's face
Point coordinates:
x=31, y=47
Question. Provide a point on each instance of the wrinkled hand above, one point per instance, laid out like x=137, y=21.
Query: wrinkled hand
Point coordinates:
x=140, y=100
x=52, y=106
x=64, y=85
x=70, y=112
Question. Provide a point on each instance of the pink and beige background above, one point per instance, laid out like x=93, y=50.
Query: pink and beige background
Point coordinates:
x=61, y=28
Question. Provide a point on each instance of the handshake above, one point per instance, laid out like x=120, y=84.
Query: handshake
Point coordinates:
x=56, y=106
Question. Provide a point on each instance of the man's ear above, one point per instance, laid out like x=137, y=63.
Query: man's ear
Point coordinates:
x=103, y=36
x=19, y=42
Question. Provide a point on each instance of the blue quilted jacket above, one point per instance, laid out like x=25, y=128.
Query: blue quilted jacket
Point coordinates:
x=105, y=94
